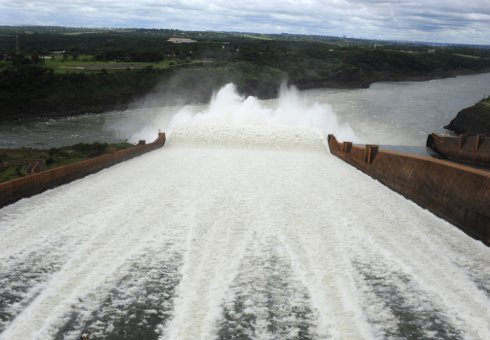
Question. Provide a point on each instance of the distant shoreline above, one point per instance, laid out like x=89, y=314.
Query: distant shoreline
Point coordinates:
x=112, y=103
x=388, y=78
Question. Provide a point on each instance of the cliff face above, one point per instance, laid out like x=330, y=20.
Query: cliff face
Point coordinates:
x=472, y=120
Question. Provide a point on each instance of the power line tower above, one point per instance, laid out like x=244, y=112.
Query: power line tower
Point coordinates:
x=17, y=48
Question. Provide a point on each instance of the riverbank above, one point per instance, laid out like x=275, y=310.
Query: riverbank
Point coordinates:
x=14, y=190
x=170, y=94
x=21, y=162
x=472, y=120
x=332, y=83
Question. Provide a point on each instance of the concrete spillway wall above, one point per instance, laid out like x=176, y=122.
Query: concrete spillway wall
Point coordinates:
x=459, y=194
x=17, y=189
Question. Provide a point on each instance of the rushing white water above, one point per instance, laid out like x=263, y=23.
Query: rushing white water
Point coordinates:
x=230, y=108
x=237, y=229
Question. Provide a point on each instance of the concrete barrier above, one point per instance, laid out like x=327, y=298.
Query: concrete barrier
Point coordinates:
x=457, y=193
x=470, y=149
x=17, y=189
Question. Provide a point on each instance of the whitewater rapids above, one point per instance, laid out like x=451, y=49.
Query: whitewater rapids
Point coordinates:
x=237, y=233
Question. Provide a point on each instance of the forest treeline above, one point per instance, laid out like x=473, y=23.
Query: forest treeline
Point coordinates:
x=257, y=64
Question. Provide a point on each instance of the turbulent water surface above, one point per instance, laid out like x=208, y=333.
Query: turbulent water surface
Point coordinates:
x=386, y=113
x=239, y=228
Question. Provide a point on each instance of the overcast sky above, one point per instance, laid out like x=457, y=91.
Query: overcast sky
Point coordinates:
x=444, y=21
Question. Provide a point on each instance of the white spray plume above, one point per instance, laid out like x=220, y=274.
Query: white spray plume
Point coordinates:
x=227, y=106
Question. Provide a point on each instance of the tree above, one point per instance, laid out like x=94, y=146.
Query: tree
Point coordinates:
x=20, y=59
x=36, y=59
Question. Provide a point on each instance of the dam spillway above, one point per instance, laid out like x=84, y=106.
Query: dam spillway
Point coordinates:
x=237, y=232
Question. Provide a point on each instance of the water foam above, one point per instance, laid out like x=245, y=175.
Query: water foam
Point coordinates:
x=193, y=242
x=260, y=136
x=228, y=107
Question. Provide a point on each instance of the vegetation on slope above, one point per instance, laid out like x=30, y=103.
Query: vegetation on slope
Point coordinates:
x=62, y=71
x=473, y=120
x=13, y=162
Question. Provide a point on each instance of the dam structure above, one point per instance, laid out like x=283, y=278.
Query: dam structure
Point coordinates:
x=23, y=187
x=250, y=232
x=458, y=192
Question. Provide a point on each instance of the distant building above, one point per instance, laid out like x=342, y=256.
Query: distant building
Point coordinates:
x=181, y=40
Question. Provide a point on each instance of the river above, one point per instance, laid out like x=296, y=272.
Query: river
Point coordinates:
x=386, y=113
x=245, y=227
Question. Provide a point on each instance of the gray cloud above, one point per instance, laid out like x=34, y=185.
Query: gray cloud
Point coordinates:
x=460, y=21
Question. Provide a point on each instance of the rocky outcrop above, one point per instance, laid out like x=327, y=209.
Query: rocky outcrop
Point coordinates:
x=473, y=120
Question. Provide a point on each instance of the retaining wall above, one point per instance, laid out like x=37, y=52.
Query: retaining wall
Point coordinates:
x=17, y=189
x=459, y=194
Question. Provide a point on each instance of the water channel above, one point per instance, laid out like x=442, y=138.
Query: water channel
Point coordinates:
x=244, y=227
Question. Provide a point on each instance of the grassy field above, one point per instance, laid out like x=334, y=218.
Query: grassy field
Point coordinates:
x=86, y=32
x=85, y=63
x=485, y=102
x=467, y=56
x=11, y=172
x=60, y=61
x=260, y=37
